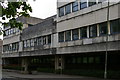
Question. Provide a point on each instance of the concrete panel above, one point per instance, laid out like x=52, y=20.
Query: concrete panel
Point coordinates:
x=89, y=48
x=11, y=39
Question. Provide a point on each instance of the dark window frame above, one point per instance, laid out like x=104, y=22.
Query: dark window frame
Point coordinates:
x=74, y=34
x=101, y=27
x=93, y=31
x=90, y=3
x=67, y=9
x=61, y=11
x=83, y=4
x=61, y=36
x=82, y=33
x=115, y=24
x=67, y=37
x=75, y=6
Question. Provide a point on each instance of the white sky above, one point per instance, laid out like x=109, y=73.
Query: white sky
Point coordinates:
x=43, y=8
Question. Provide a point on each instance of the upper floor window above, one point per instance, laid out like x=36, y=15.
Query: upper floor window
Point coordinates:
x=61, y=11
x=93, y=30
x=75, y=34
x=92, y=2
x=25, y=44
x=61, y=37
x=100, y=1
x=49, y=39
x=75, y=6
x=44, y=40
x=83, y=4
x=68, y=35
x=83, y=32
x=32, y=42
x=115, y=26
x=68, y=9
x=103, y=28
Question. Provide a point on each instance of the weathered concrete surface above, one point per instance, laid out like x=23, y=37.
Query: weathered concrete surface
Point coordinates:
x=1, y=43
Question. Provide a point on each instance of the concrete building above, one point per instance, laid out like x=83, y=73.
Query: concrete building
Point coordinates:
x=74, y=40
x=12, y=40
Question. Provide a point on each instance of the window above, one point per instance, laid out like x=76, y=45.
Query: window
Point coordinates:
x=115, y=26
x=11, y=31
x=49, y=39
x=44, y=40
x=6, y=32
x=25, y=44
x=103, y=28
x=93, y=31
x=61, y=11
x=75, y=6
x=91, y=59
x=97, y=59
x=28, y=43
x=61, y=37
x=83, y=4
x=40, y=41
x=85, y=60
x=75, y=34
x=100, y=1
x=92, y=2
x=68, y=9
x=32, y=42
x=83, y=32
x=68, y=35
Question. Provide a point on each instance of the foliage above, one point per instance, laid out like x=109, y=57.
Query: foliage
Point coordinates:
x=12, y=10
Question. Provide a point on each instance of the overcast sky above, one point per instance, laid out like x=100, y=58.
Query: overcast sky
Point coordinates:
x=43, y=8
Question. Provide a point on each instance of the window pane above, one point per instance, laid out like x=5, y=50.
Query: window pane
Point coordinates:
x=83, y=4
x=75, y=34
x=61, y=11
x=44, y=40
x=93, y=31
x=68, y=9
x=75, y=6
x=91, y=60
x=61, y=37
x=103, y=28
x=92, y=2
x=115, y=26
x=49, y=39
x=68, y=36
x=85, y=60
x=83, y=32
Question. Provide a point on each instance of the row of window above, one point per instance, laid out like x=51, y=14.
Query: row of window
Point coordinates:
x=92, y=30
x=11, y=31
x=75, y=6
x=11, y=47
x=37, y=41
x=83, y=60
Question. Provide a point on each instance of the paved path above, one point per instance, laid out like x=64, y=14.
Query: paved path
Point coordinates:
x=42, y=76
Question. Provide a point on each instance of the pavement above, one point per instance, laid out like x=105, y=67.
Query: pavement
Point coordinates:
x=14, y=75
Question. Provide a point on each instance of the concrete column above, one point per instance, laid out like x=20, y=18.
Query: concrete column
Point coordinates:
x=59, y=62
x=25, y=63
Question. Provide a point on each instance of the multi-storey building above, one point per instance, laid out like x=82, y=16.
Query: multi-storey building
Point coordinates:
x=12, y=40
x=88, y=33
x=83, y=36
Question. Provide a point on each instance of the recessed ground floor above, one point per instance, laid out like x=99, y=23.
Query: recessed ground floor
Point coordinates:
x=85, y=64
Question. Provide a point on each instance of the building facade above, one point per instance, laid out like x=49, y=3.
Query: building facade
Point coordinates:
x=75, y=41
